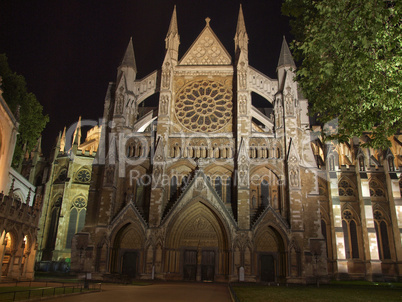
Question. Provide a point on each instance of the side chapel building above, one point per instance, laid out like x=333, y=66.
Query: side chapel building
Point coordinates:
x=209, y=187
x=65, y=197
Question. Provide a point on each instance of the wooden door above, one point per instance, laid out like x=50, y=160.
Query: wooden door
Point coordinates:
x=267, y=268
x=190, y=265
x=129, y=265
x=208, y=266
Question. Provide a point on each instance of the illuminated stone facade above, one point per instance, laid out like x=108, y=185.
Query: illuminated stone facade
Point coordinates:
x=19, y=208
x=361, y=208
x=65, y=198
x=209, y=187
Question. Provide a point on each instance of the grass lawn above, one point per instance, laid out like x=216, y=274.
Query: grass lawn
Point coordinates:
x=54, y=276
x=256, y=293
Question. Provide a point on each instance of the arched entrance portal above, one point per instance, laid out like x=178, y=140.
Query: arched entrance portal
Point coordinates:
x=7, y=255
x=126, y=251
x=197, y=246
x=271, y=257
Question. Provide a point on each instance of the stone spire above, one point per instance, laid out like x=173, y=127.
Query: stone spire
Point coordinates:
x=241, y=37
x=127, y=70
x=63, y=141
x=285, y=57
x=77, y=133
x=172, y=40
x=286, y=66
x=129, y=58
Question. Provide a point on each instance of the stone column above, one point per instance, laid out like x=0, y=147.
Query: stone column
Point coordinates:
x=2, y=247
x=341, y=263
x=11, y=264
x=373, y=263
x=395, y=205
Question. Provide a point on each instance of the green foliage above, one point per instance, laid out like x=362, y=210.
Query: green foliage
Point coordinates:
x=32, y=121
x=351, y=64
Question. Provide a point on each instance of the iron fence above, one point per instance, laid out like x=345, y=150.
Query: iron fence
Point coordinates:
x=45, y=290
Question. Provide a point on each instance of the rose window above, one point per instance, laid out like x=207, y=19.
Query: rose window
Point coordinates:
x=83, y=176
x=204, y=106
x=80, y=202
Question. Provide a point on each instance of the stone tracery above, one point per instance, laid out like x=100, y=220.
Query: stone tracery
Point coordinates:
x=204, y=106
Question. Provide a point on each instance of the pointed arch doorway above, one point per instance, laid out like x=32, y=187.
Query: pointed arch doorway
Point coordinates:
x=197, y=246
x=126, y=250
x=271, y=255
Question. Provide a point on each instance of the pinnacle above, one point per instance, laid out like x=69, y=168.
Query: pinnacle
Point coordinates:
x=285, y=57
x=241, y=26
x=173, y=23
x=129, y=58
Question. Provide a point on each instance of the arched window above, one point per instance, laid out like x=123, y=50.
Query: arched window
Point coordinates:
x=173, y=187
x=350, y=235
x=72, y=226
x=184, y=181
x=331, y=163
x=345, y=188
x=361, y=164
x=391, y=165
x=54, y=223
x=81, y=219
x=228, y=190
x=324, y=233
x=264, y=193
x=77, y=219
x=353, y=239
x=139, y=194
x=382, y=236
x=376, y=188
x=218, y=186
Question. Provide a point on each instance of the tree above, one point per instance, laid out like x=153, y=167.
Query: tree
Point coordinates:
x=32, y=121
x=351, y=58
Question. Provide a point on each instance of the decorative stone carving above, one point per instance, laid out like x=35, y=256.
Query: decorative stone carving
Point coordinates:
x=242, y=105
x=166, y=75
x=294, y=176
x=204, y=106
x=207, y=50
x=119, y=103
x=164, y=104
x=242, y=76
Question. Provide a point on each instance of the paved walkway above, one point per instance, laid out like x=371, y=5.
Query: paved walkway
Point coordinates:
x=166, y=292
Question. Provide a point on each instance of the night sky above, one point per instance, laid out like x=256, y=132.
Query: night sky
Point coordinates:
x=68, y=51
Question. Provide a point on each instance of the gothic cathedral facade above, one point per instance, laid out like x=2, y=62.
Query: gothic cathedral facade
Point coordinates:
x=207, y=187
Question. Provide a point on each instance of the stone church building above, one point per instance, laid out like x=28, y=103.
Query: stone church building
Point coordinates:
x=208, y=187
x=65, y=197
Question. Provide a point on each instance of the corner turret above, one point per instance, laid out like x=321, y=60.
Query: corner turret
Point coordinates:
x=128, y=67
x=172, y=40
x=285, y=61
x=241, y=37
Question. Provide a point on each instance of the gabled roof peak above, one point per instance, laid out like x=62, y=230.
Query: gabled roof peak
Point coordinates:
x=207, y=49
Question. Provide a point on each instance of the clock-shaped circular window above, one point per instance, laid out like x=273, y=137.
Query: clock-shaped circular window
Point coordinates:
x=83, y=176
x=204, y=106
